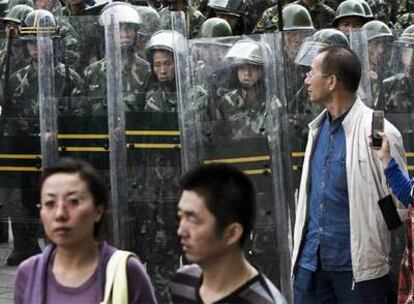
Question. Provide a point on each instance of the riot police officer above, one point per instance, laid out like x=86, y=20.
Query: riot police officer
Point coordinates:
x=350, y=14
x=22, y=120
x=135, y=70
x=161, y=50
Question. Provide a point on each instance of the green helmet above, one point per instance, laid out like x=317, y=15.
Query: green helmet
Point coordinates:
x=230, y=7
x=407, y=37
x=323, y=38
x=39, y=21
x=151, y=20
x=215, y=27
x=123, y=13
x=245, y=51
x=18, y=13
x=375, y=29
x=404, y=21
x=296, y=17
x=367, y=9
x=349, y=8
x=165, y=40
x=13, y=3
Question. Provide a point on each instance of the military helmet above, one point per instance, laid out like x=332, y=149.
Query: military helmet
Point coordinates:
x=245, y=51
x=3, y=6
x=165, y=40
x=39, y=21
x=12, y=3
x=122, y=12
x=296, y=17
x=323, y=38
x=407, y=36
x=404, y=21
x=375, y=29
x=349, y=8
x=18, y=13
x=151, y=20
x=215, y=27
x=367, y=9
x=230, y=7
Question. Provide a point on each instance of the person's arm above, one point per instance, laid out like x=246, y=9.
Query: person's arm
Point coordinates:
x=400, y=184
x=140, y=289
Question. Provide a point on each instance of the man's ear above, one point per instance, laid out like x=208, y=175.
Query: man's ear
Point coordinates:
x=233, y=233
x=332, y=82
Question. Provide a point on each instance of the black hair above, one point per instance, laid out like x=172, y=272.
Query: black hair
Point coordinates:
x=228, y=194
x=344, y=64
x=92, y=178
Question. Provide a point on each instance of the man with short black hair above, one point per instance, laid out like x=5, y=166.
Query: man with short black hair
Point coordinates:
x=216, y=215
x=341, y=242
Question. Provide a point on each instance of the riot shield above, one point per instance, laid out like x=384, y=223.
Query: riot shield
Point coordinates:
x=374, y=51
x=381, y=60
x=224, y=100
x=20, y=151
x=301, y=111
x=144, y=143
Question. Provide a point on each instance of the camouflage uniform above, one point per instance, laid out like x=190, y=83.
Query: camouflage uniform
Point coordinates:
x=322, y=16
x=399, y=92
x=196, y=20
x=82, y=37
x=158, y=101
x=406, y=6
x=135, y=75
x=24, y=97
x=381, y=10
x=232, y=107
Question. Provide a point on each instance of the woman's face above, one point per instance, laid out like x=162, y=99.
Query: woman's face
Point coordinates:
x=68, y=211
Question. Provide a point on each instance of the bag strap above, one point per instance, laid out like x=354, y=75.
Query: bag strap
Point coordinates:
x=116, y=283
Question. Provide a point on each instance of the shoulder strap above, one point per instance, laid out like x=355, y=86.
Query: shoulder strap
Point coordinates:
x=116, y=283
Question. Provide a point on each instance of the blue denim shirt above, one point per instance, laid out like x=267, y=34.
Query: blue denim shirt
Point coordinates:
x=328, y=226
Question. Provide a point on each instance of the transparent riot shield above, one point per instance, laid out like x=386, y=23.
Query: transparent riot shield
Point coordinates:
x=223, y=112
x=144, y=141
x=20, y=151
x=300, y=110
x=380, y=57
x=374, y=51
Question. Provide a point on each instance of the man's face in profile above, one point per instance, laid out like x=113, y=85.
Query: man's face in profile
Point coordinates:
x=200, y=241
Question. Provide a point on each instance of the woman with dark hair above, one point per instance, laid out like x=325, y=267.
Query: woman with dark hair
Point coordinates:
x=72, y=268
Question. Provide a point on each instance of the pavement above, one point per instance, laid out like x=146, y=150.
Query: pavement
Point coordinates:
x=7, y=274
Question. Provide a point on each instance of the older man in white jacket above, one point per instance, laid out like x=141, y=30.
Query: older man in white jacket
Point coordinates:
x=341, y=242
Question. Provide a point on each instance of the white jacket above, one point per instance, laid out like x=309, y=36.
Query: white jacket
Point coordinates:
x=370, y=239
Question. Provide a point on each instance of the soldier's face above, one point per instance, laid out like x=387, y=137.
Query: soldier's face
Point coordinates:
x=164, y=67
x=127, y=35
x=347, y=23
x=32, y=49
x=317, y=82
x=200, y=241
x=249, y=75
x=293, y=42
x=12, y=29
x=376, y=51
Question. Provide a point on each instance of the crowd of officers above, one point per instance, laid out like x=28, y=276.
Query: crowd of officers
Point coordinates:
x=149, y=68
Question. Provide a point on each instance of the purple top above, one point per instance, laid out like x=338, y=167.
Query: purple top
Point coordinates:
x=35, y=282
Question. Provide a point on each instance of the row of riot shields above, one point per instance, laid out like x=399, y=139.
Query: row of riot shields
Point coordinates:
x=235, y=100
